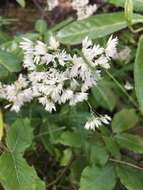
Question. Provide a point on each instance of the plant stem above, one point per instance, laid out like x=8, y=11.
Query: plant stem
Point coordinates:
x=122, y=89
x=126, y=163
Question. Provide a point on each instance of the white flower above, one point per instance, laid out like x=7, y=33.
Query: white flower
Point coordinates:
x=95, y=122
x=83, y=9
x=111, y=47
x=49, y=105
x=66, y=95
x=92, y=123
x=78, y=97
x=40, y=48
x=55, y=77
x=128, y=86
x=62, y=57
x=53, y=43
x=27, y=45
x=105, y=119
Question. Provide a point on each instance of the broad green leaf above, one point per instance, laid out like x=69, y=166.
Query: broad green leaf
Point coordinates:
x=98, y=154
x=19, y=136
x=9, y=63
x=71, y=139
x=138, y=73
x=95, y=27
x=138, y=4
x=131, y=142
x=1, y=125
x=95, y=178
x=106, y=100
x=124, y=120
x=131, y=178
x=112, y=146
x=41, y=26
x=16, y=174
x=21, y=3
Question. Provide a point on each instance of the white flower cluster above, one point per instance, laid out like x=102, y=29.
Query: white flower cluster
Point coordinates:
x=54, y=76
x=95, y=122
x=83, y=8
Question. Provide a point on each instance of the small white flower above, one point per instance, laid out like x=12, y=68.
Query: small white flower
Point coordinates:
x=105, y=119
x=111, y=47
x=128, y=86
x=40, y=48
x=95, y=122
x=66, y=95
x=53, y=43
x=78, y=97
x=49, y=105
x=27, y=45
x=92, y=123
x=83, y=9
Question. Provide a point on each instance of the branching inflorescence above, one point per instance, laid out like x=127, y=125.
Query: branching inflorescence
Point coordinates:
x=54, y=76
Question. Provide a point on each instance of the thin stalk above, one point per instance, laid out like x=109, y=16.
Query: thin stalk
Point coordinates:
x=126, y=163
x=122, y=89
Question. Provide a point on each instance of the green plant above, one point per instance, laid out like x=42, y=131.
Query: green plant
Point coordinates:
x=94, y=152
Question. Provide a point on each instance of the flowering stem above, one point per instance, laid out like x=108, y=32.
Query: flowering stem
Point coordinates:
x=126, y=163
x=122, y=89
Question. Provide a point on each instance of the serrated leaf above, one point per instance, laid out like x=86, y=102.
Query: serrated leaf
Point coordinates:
x=138, y=4
x=130, y=142
x=124, y=120
x=19, y=136
x=95, y=27
x=1, y=125
x=98, y=154
x=16, y=174
x=131, y=178
x=95, y=178
x=138, y=73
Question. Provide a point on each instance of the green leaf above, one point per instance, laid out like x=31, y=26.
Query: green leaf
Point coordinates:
x=95, y=27
x=131, y=178
x=21, y=3
x=71, y=139
x=106, y=100
x=95, y=178
x=98, y=154
x=138, y=4
x=131, y=142
x=112, y=146
x=41, y=26
x=19, y=136
x=138, y=73
x=16, y=174
x=9, y=63
x=124, y=120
